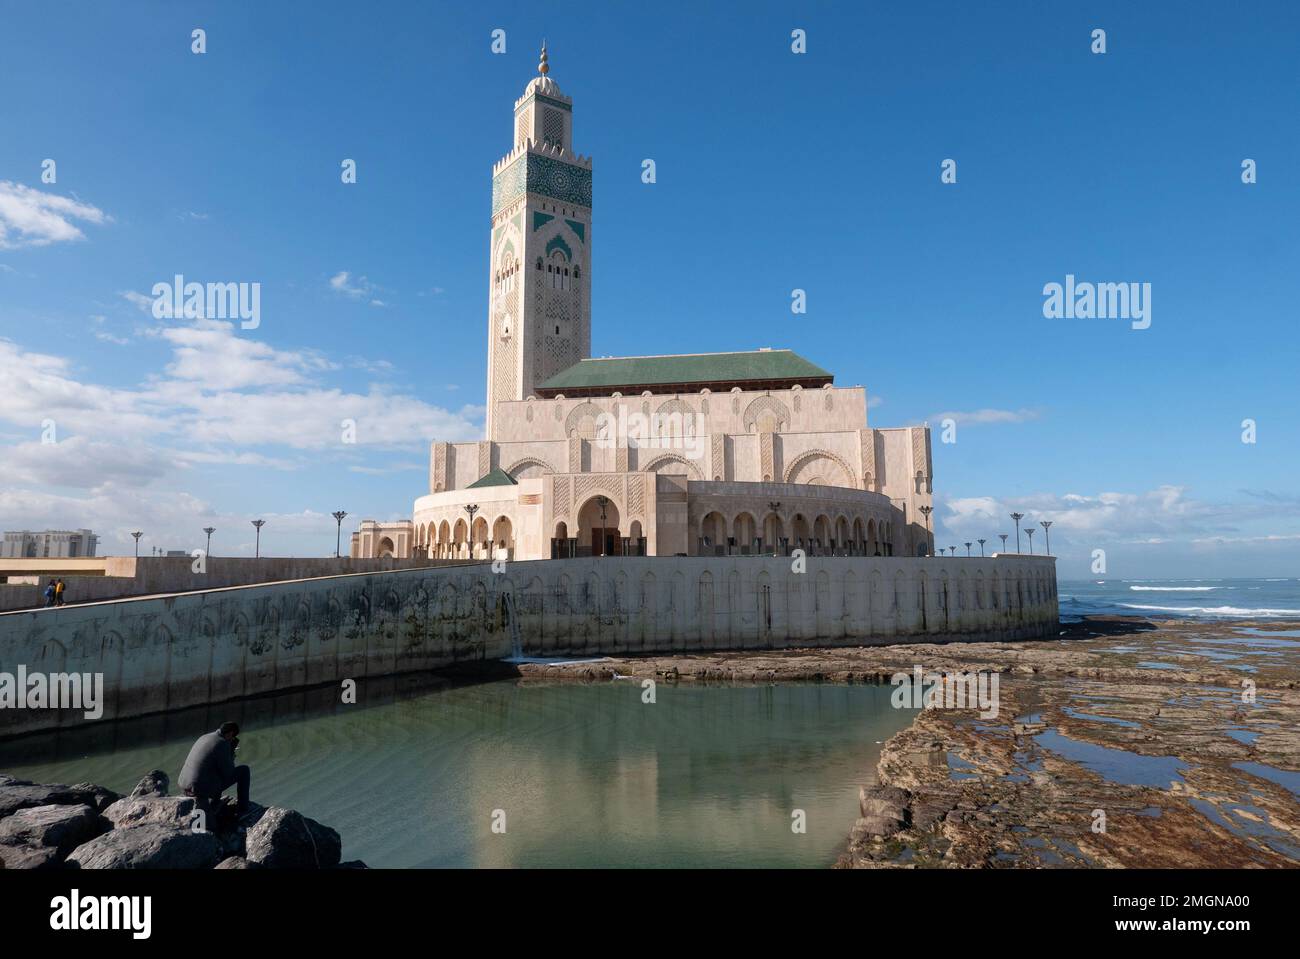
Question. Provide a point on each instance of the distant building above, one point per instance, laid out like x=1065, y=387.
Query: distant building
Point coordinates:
x=49, y=544
x=377, y=540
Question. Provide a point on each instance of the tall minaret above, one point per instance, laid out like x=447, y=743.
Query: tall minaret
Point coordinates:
x=539, y=314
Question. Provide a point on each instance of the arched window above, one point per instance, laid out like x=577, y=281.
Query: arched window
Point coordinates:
x=539, y=264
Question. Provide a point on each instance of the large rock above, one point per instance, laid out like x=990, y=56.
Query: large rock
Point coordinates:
x=875, y=826
x=237, y=862
x=886, y=802
x=150, y=810
x=29, y=857
x=148, y=847
x=155, y=783
x=284, y=839
x=63, y=828
x=16, y=794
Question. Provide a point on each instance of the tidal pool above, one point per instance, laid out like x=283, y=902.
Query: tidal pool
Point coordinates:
x=416, y=775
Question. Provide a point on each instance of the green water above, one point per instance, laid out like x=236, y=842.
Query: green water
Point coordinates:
x=586, y=775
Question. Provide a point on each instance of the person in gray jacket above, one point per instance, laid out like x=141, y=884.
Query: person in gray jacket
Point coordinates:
x=210, y=769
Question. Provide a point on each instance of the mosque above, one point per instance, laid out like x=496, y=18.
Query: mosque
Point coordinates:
x=746, y=453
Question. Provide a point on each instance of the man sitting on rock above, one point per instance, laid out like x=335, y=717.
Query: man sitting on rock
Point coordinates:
x=210, y=770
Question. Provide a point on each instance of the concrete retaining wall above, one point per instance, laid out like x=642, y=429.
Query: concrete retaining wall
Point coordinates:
x=112, y=577
x=188, y=649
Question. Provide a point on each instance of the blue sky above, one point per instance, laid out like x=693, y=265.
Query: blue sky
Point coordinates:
x=775, y=171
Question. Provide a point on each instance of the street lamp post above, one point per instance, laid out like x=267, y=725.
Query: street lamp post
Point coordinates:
x=981, y=542
x=1004, y=541
x=604, y=502
x=207, y=549
x=338, y=530
x=1046, y=524
x=953, y=550
x=968, y=549
x=1030, y=531
x=1017, y=517
x=257, y=548
x=926, y=511
x=472, y=508
x=137, y=536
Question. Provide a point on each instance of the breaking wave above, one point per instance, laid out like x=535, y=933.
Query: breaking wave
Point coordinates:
x=1176, y=589
x=1231, y=611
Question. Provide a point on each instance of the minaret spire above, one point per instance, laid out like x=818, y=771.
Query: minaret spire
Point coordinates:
x=542, y=67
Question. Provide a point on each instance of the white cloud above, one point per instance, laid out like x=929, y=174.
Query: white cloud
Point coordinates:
x=30, y=217
x=221, y=392
x=343, y=283
x=985, y=416
x=141, y=302
x=65, y=464
x=124, y=454
x=209, y=355
x=1161, y=516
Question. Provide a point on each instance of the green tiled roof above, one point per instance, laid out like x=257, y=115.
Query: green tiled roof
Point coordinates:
x=498, y=477
x=687, y=368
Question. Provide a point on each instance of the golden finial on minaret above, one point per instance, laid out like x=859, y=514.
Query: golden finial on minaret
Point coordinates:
x=542, y=67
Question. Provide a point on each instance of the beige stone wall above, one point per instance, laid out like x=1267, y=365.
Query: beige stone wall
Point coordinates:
x=825, y=409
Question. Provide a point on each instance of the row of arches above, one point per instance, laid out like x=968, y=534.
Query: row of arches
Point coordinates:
x=446, y=539
x=816, y=534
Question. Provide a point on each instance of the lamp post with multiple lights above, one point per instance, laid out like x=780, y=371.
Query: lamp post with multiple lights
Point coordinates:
x=981, y=542
x=1046, y=524
x=472, y=508
x=1017, y=517
x=257, y=547
x=926, y=511
x=137, y=534
x=207, y=549
x=339, y=516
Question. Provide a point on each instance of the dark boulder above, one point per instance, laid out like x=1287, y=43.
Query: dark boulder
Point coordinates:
x=155, y=783
x=29, y=857
x=16, y=794
x=285, y=839
x=63, y=828
x=237, y=862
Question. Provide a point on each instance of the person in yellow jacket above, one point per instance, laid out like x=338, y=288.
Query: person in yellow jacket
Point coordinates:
x=58, y=593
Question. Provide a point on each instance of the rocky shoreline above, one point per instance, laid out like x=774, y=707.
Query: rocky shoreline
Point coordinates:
x=86, y=826
x=1125, y=743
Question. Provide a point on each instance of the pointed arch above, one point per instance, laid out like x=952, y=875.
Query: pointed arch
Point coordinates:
x=815, y=463
x=665, y=458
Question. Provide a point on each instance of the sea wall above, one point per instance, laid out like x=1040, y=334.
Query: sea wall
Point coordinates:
x=161, y=653
x=91, y=579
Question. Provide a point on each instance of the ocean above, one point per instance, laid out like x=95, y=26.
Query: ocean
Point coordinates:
x=1209, y=599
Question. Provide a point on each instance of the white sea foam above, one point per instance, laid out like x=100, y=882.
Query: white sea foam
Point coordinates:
x=1177, y=589
x=1217, y=610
